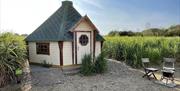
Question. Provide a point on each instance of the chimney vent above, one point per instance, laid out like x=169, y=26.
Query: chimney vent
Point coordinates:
x=67, y=3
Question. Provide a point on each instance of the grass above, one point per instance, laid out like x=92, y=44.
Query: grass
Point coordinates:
x=89, y=67
x=12, y=56
x=132, y=49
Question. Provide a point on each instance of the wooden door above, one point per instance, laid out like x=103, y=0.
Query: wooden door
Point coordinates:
x=83, y=42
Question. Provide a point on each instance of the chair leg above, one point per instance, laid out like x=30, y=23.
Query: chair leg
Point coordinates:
x=154, y=76
x=166, y=81
x=146, y=74
x=172, y=80
x=161, y=78
x=149, y=75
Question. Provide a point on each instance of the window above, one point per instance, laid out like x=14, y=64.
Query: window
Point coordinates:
x=42, y=48
x=83, y=40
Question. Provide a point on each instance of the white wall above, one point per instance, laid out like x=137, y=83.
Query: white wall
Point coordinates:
x=67, y=53
x=53, y=58
x=98, y=48
x=83, y=26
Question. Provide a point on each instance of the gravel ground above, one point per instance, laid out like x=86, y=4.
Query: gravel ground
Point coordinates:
x=118, y=78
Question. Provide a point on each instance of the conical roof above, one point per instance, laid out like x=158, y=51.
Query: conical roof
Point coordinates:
x=57, y=26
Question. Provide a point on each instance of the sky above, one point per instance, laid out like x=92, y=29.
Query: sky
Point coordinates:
x=24, y=16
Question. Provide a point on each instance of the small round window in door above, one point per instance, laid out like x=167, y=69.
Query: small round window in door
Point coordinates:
x=83, y=40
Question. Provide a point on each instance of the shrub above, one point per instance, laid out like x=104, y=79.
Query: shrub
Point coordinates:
x=87, y=65
x=100, y=65
x=46, y=64
x=13, y=55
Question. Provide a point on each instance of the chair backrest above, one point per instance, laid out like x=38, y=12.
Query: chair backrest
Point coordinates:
x=145, y=62
x=169, y=63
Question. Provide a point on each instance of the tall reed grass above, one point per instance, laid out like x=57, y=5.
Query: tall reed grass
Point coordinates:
x=132, y=49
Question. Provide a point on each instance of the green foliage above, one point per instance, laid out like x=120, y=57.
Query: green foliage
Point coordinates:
x=122, y=33
x=132, y=49
x=171, y=31
x=18, y=71
x=87, y=65
x=12, y=55
x=153, y=32
x=46, y=64
x=100, y=65
x=113, y=33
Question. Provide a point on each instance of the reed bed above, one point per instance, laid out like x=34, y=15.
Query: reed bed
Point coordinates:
x=132, y=49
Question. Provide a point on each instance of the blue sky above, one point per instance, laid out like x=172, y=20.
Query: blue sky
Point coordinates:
x=134, y=15
x=24, y=16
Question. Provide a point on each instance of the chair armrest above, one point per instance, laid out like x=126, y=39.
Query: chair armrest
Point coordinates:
x=168, y=71
x=168, y=68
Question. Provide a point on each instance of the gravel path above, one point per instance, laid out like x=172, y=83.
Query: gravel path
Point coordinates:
x=46, y=76
x=118, y=78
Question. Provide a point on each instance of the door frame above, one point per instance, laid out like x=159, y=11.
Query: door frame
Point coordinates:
x=77, y=41
x=60, y=43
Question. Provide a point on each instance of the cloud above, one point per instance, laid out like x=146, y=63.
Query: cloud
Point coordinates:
x=24, y=16
x=95, y=3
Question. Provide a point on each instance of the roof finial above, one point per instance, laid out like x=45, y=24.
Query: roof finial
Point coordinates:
x=67, y=2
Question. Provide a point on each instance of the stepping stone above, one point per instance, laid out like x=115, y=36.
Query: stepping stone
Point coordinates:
x=71, y=70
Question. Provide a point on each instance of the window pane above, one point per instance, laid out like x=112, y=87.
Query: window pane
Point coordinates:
x=42, y=48
x=83, y=40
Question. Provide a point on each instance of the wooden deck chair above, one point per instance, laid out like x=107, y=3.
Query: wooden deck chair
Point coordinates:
x=168, y=69
x=148, y=70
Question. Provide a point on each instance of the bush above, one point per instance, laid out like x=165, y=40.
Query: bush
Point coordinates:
x=87, y=65
x=13, y=56
x=46, y=64
x=100, y=65
x=89, y=68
